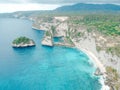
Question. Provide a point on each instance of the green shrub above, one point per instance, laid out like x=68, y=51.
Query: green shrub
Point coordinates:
x=21, y=40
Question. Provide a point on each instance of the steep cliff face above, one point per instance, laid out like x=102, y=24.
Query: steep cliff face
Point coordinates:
x=53, y=27
x=61, y=29
x=47, y=39
x=89, y=42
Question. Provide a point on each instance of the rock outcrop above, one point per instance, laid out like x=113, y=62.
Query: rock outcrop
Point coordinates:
x=98, y=72
x=48, y=39
x=23, y=42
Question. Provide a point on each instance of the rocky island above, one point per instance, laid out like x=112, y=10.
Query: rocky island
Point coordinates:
x=23, y=42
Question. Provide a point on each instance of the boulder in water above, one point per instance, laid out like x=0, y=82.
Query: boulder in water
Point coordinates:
x=98, y=72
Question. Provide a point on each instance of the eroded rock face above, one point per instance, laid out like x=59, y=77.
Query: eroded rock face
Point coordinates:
x=61, y=29
x=47, y=41
x=23, y=42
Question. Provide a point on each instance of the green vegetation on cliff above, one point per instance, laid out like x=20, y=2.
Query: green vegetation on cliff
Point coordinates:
x=20, y=40
x=109, y=25
x=113, y=78
x=48, y=33
x=114, y=50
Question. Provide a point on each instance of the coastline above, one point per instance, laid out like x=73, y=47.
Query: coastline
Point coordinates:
x=97, y=63
x=92, y=57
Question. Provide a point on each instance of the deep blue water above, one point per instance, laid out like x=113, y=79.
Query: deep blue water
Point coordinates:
x=40, y=67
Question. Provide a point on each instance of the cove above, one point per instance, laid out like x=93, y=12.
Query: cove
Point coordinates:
x=41, y=67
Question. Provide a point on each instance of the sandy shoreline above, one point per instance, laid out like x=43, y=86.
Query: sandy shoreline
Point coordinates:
x=92, y=57
x=97, y=63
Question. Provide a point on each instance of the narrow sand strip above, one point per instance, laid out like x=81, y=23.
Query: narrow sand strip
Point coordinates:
x=97, y=63
x=92, y=57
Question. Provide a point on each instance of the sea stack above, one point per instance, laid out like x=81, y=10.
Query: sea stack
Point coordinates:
x=48, y=39
x=23, y=42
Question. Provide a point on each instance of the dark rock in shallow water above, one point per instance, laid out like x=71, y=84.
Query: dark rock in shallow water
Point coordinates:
x=98, y=72
x=23, y=42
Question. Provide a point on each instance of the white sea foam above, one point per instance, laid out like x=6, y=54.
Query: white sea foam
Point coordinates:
x=104, y=87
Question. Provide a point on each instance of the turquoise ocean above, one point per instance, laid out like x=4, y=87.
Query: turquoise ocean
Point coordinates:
x=41, y=67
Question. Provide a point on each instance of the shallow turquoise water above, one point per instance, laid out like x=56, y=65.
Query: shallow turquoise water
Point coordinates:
x=40, y=67
x=57, y=39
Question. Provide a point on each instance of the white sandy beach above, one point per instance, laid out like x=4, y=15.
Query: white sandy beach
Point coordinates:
x=92, y=57
x=97, y=63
